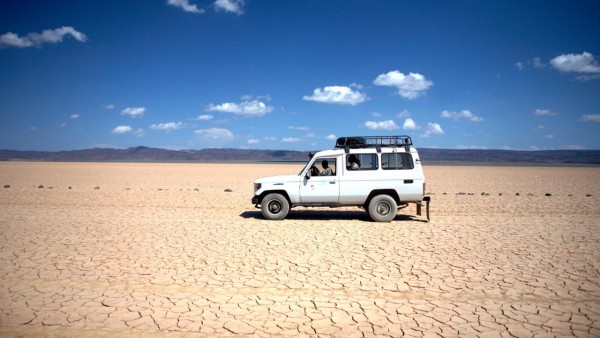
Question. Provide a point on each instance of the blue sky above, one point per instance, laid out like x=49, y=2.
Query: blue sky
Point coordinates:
x=289, y=74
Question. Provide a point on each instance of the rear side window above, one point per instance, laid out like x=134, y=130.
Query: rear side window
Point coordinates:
x=396, y=161
x=361, y=162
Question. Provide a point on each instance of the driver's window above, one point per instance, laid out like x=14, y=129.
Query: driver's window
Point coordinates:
x=324, y=166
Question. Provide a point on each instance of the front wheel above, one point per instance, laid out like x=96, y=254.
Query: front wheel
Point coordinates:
x=274, y=207
x=382, y=208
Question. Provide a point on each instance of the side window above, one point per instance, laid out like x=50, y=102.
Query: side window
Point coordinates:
x=324, y=166
x=396, y=161
x=361, y=162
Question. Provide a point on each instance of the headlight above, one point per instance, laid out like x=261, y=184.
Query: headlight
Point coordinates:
x=257, y=186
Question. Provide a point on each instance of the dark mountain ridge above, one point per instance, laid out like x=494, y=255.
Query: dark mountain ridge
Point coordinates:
x=428, y=155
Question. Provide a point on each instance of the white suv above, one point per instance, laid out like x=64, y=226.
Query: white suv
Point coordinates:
x=378, y=173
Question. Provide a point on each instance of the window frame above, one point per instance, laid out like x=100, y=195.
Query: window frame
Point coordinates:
x=406, y=159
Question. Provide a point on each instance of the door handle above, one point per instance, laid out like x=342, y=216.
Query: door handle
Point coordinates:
x=331, y=182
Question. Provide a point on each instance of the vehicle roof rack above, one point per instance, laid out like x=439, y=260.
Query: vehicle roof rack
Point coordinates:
x=357, y=142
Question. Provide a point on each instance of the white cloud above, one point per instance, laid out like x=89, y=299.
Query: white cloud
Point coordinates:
x=122, y=130
x=270, y=138
x=409, y=124
x=544, y=112
x=465, y=115
x=409, y=86
x=291, y=139
x=245, y=108
x=381, y=125
x=576, y=63
x=590, y=118
x=376, y=114
x=74, y=116
x=432, y=129
x=253, y=141
x=538, y=63
x=168, y=126
x=185, y=5
x=139, y=132
x=204, y=118
x=520, y=65
x=109, y=106
x=232, y=6
x=214, y=134
x=549, y=136
x=37, y=39
x=403, y=114
x=337, y=95
x=299, y=128
x=331, y=137
x=133, y=112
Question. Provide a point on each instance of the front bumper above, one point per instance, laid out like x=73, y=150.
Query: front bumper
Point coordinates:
x=255, y=200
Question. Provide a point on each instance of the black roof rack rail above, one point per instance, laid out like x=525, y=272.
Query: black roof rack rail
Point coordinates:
x=357, y=142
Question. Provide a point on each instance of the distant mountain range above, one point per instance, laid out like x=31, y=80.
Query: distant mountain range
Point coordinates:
x=145, y=154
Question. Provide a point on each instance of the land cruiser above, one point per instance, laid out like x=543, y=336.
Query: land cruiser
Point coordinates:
x=381, y=174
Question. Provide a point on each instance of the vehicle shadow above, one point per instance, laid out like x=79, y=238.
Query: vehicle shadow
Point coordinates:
x=324, y=215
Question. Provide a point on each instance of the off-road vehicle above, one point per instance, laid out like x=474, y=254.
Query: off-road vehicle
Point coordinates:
x=381, y=174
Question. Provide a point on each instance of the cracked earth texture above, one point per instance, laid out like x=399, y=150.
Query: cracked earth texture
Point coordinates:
x=127, y=249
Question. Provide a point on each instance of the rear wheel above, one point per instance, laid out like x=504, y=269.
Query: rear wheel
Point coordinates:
x=275, y=206
x=382, y=208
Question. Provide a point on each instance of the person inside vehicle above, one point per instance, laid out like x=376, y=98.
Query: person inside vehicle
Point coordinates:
x=326, y=170
x=353, y=162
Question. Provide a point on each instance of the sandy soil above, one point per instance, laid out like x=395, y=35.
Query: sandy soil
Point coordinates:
x=119, y=249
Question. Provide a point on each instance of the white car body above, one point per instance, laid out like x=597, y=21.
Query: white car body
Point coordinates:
x=347, y=187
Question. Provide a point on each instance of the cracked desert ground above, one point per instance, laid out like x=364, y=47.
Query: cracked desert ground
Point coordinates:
x=125, y=249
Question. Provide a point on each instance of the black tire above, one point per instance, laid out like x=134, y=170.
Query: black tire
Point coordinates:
x=382, y=208
x=274, y=207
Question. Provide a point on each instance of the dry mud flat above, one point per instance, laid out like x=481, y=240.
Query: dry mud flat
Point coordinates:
x=164, y=250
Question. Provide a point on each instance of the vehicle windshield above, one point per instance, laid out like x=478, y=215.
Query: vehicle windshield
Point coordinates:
x=305, y=166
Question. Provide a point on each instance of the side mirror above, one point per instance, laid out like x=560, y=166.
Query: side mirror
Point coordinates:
x=308, y=174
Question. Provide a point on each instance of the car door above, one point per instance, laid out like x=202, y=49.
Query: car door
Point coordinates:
x=322, y=189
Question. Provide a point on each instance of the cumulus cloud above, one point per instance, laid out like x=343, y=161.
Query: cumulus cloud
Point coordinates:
x=432, y=129
x=253, y=141
x=122, y=130
x=74, y=116
x=168, y=126
x=403, y=114
x=299, y=128
x=544, y=112
x=204, y=118
x=291, y=139
x=590, y=118
x=185, y=5
x=109, y=106
x=381, y=125
x=331, y=137
x=409, y=124
x=231, y=6
x=337, y=95
x=409, y=86
x=247, y=108
x=37, y=39
x=536, y=62
x=584, y=63
x=214, y=134
x=133, y=112
x=463, y=115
